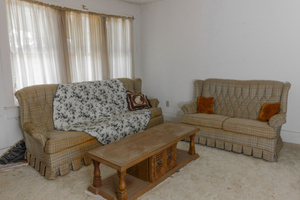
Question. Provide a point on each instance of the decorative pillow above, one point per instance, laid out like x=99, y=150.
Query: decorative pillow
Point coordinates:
x=205, y=105
x=267, y=111
x=137, y=101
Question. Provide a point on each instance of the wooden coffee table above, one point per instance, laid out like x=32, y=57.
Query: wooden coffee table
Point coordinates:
x=152, y=145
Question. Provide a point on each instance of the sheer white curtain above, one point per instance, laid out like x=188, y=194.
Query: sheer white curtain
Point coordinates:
x=35, y=43
x=55, y=45
x=120, y=47
x=86, y=41
x=98, y=47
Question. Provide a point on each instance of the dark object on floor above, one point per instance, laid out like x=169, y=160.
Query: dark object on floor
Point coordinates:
x=15, y=154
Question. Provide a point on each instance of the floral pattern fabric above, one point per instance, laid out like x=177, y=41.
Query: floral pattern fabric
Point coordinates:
x=98, y=108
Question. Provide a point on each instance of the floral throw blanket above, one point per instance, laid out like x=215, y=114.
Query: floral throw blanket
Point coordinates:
x=98, y=108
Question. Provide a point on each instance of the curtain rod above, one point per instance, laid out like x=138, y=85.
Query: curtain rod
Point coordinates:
x=76, y=10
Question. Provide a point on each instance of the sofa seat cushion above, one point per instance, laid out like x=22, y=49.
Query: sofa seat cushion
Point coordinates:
x=155, y=112
x=250, y=127
x=60, y=140
x=202, y=119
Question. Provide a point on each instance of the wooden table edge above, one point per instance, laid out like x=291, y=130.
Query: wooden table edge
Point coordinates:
x=135, y=161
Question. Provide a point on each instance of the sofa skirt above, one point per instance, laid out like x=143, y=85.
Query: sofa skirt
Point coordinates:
x=61, y=163
x=257, y=147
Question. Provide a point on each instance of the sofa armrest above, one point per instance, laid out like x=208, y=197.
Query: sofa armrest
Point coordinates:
x=154, y=103
x=36, y=133
x=189, y=108
x=277, y=120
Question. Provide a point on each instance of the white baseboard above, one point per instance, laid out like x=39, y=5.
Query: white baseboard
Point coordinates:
x=172, y=117
x=290, y=136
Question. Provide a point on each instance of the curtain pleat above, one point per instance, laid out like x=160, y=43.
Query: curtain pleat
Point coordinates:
x=35, y=43
x=50, y=45
x=119, y=47
x=86, y=46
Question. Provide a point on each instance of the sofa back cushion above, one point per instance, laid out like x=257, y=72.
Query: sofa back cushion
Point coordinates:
x=35, y=102
x=132, y=85
x=241, y=99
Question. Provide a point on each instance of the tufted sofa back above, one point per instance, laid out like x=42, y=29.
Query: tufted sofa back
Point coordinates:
x=242, y=99
x=35, y=102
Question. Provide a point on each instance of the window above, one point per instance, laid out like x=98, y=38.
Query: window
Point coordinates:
x=86, y=46
x=52, y=45
x=119, y=39
x=36, y=52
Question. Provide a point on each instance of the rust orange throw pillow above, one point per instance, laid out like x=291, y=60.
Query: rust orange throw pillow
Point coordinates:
x=205, y=105
x=267, y=111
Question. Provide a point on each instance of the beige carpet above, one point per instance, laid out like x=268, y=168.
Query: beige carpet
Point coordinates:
x=217, y=174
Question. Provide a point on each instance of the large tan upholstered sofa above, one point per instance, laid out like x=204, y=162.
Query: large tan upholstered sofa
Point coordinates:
x=53, y=152
x=234, y=125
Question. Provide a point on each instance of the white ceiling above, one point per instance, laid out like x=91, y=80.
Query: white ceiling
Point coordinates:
x=139, y=1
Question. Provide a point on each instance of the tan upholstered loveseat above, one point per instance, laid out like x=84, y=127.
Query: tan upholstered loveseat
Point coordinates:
x=53, y=152
x=234, y=125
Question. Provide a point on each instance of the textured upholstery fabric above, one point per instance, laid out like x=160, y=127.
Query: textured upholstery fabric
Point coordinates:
x=36, y=105
x=237, y=138
x=155, y=112
x=250, y=145
x=241, y=102
x=156, y=121
x=207, y=120
x=132, y=85
x=189, y=108
x=242, y=99
x=249, y=127
x=52, y=152
x=153, y=102
x=277, y=120
x=35, y=132
x=59, y=140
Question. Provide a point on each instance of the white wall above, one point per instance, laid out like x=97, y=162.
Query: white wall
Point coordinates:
x=10, y=132
x=237, y=39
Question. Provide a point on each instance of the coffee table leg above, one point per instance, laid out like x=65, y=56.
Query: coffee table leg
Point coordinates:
x=192, y=145
x=97, y=181
x=122, y=193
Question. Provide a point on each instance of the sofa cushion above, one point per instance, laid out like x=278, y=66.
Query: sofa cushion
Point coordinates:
x=60, y=140
x=202, y=119
x=137, y=101
x=267, y=111
x=250, y=127
x=205, y=105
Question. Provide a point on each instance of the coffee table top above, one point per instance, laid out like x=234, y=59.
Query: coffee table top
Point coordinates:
x=131, y=150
